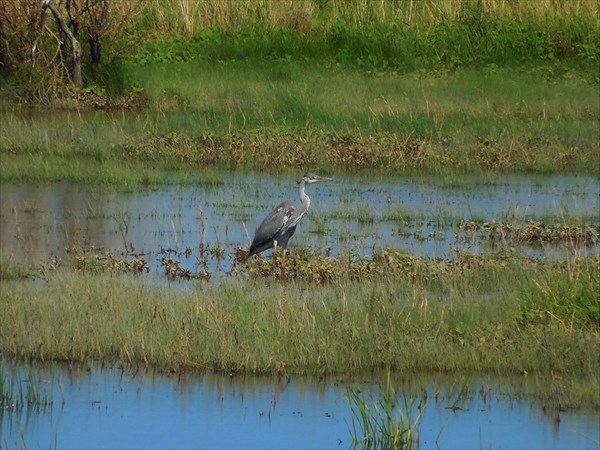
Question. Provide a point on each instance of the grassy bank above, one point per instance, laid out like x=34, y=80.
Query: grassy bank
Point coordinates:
x=496, y=316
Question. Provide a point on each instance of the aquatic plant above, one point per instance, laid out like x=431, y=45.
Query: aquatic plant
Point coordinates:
x=387, y=423
x=18, y=395
x=318, y=221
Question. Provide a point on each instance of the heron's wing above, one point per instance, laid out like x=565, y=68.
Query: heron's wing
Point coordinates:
x=271, y=226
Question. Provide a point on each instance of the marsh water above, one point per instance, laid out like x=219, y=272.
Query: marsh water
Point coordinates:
x=108, y=408
x=418, y=215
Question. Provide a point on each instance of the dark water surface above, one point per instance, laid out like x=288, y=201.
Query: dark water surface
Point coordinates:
x=97, y=408
x=41, y=221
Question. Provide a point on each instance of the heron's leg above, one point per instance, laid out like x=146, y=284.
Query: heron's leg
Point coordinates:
x=284, y=249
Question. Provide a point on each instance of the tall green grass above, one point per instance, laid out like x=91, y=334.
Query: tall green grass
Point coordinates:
x=461, y=85
x=242, y=95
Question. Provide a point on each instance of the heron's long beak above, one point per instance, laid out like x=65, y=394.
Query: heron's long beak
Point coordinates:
x=319, y=178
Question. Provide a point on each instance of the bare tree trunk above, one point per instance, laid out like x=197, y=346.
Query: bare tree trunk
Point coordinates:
x=76, y=48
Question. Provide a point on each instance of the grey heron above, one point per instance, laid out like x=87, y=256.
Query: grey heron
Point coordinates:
x=280, y=224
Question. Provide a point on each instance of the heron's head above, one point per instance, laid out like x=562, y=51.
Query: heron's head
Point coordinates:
x=310, y=178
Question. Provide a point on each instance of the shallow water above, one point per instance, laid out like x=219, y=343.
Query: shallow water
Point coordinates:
x=41, y=221
x=97, y=408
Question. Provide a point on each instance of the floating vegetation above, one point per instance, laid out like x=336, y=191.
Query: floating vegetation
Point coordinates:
x=174, y=270
x=318, y=222
x=307, y=266
x=362, y=213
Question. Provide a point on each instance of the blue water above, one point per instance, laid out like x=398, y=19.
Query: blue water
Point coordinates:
x=41, y=221
x=110, y=409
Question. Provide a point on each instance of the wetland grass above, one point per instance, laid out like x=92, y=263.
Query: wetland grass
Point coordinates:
x=552, y=128
x=479, y=315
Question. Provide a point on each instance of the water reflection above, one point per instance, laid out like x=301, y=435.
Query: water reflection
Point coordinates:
x=37, y=222
x=97, y=408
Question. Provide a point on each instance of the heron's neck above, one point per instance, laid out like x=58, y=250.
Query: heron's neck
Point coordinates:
x=304, y=199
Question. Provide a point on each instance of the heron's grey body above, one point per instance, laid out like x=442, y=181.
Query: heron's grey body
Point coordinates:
x=280, y=224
